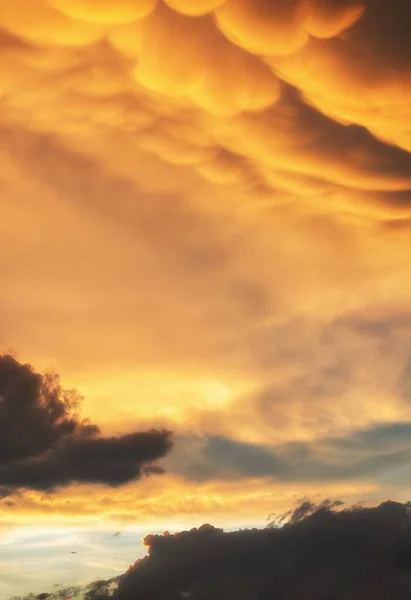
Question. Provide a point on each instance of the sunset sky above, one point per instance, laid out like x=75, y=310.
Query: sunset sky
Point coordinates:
x=206, y=230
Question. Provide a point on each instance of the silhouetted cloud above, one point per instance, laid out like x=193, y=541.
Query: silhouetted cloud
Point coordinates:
x=321, y=553
x=101, y=589
x=44, y=443
x=357, y=553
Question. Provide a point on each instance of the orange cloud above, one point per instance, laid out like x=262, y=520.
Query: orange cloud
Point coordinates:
x=105, y=12
x=202, y=7
x=160, y=504
x=277, y=28
x=39, y=23
x=192, y=95
x=197, y=62
x=199, y=196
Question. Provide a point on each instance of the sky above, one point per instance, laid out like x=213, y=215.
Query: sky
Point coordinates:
x=205, y=308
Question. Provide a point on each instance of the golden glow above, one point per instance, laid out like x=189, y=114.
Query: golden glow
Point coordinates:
x=104, y=11
x=157, y=503
x=207, y=228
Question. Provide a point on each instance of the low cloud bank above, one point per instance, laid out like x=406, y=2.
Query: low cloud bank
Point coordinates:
x=321, y=553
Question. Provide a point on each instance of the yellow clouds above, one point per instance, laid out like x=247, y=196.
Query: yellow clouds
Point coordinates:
x=260, y=96
x=105, y=11
x=197, y=62
x=198, y=8
x=58, y=22
x=259, y=27
x=160, y=502
x=362, y=76
x=279, y=28
x=327, y=18
x=307, y=143
x=37, y=22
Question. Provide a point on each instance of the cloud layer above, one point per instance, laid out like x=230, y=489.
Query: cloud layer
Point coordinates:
x=44, y=444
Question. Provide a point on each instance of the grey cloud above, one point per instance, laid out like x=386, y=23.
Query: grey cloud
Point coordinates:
x=404, y=383
x=369, y=453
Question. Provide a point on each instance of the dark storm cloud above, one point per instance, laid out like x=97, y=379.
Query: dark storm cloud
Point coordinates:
x=44, y=443
x=371, y=452
x=321, y=555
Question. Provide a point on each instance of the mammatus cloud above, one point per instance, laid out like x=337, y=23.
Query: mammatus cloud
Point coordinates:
x=44, y=443
x=271, y=97
x=321, y=552
x=105, y=104
x=159, y=119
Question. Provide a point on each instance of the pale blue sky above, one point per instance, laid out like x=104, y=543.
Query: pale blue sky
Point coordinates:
x=36, y=560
